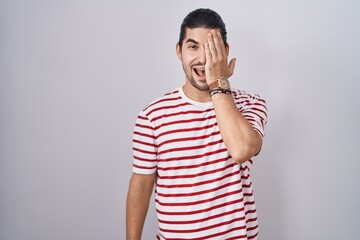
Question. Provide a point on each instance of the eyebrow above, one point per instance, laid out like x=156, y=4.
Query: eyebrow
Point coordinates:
x=191, y=40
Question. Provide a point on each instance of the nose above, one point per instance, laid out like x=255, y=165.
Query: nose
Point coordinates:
x=202, y=56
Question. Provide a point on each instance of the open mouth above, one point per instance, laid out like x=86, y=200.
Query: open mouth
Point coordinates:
x=200, y=72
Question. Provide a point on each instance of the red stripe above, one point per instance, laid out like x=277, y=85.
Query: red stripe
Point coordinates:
x=250, y=212
x=255, y=235
x=187, y=129
x=198, y=183
x=212, y=235
x=181, y=113
x=143, y=118
x=203, y=219
x=194, y=165
x=199, y=201
x=142, y=167
x=192, y=157
x=174, y=176
x=246, y=185
x=199, y=192
x=249, y=203
x=204, y=228
x=189, y=138
x=190, y=148
x=245, y=194
x=237, y=237
x=246, y=168
x=247, y=103
x=167, y=107
x=144, y=151
x=163, y=100
x=252, y=101
x=144, y=135
x=145, y=143
x=248, y=194
x=244, y=98
x=253, y=111
x=245, y=177
x=201, y=210
x=144, y=159
x=250, y=118
x=143, y=126
x=251, y=220
x=170, y=93
x=185, y=121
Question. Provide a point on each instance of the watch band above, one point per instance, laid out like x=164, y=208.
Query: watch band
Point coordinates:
x=214, y=91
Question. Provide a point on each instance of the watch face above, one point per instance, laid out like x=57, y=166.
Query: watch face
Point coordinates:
x=224, y=83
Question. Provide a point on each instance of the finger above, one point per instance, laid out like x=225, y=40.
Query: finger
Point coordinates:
x=232, y=66
x=212, y=49
x=221, y=43
x=217, y=45
x=207, y=53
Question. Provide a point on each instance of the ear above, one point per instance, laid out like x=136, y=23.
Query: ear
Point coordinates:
x=227, y=49
x=178, y=51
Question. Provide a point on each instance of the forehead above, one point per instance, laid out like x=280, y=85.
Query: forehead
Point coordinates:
x=198, y=34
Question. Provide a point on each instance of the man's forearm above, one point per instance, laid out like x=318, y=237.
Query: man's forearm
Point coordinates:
x=140, y=190
x=241, y=140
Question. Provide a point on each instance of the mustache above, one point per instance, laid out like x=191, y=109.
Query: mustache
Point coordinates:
x=198, y=64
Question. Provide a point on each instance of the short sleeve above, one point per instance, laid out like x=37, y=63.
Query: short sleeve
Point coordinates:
x=255, y=111
x=144, y=146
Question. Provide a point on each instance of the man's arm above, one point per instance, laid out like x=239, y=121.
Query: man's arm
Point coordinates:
x=239, y=136
x=139, y=193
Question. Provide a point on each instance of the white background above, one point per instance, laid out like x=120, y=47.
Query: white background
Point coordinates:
x=75, y=74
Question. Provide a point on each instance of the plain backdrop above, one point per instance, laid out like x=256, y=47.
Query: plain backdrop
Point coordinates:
x=74, y=75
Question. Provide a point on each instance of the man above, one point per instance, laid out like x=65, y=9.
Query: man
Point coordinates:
x=196, y=143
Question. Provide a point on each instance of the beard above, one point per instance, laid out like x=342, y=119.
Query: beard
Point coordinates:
x=197, y=86
x=193, y=81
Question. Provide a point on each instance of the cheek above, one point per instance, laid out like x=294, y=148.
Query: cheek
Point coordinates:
x=188, y=58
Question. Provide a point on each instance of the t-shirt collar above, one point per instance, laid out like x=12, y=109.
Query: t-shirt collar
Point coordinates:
x=198, y=104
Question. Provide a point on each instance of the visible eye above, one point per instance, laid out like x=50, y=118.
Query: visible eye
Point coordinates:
x=193, y=47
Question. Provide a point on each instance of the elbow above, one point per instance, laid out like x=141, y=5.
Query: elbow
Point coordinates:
x=241, y=157
x=244, y=153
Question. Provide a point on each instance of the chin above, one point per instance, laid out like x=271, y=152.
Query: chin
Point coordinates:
x=199, y=84
x=202, y=87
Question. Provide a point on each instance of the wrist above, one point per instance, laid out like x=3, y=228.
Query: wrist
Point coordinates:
x=222, y=83
x=214, y=91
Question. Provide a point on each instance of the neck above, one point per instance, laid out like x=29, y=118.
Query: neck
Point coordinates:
x=196, y=94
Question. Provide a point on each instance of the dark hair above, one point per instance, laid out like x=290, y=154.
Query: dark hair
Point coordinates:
x=202, y=17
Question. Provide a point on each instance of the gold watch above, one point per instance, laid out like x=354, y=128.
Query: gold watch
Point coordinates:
x=222, y=83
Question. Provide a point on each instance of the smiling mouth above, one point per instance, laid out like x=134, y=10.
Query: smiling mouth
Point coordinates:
x=199, y=72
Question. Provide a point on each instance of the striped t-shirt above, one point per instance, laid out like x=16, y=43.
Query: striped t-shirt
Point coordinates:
x=201, y=192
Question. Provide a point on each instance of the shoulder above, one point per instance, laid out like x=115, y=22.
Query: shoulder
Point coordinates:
x=168, y=99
